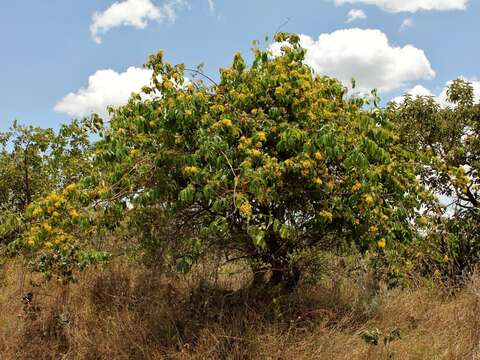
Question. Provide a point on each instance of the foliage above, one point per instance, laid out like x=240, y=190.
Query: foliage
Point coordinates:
x=39, y=169
x=273, y=164
x=447, y=139
x=35, y=162
x=269, y=161
x=57, y=235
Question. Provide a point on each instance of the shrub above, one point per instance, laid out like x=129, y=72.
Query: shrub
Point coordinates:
x=269, y=161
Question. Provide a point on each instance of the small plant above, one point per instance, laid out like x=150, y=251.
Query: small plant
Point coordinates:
x=372, y=337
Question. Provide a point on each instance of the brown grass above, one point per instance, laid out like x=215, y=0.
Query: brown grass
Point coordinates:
x=125, y=311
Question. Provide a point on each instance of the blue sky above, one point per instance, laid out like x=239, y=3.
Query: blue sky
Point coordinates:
x=48, y=49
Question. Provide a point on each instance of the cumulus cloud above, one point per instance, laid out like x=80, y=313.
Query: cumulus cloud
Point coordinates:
x=105, y=88
x=411, y=5
x=367, y=56
x=135, y=13
x=441, y=98
x=211, y=6
x=417, y=90
x=407, y=23
x=356, y=14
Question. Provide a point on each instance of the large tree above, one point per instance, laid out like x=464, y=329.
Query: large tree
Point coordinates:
x=265, y=164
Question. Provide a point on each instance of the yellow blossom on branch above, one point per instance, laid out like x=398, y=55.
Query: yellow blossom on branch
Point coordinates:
x=326, y=215
x=382, y=243
x=357, y=186
x=74, y=214
x=369, y=199
x=227, y=122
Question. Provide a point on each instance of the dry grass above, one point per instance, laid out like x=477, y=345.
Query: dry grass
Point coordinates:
x=127, y=312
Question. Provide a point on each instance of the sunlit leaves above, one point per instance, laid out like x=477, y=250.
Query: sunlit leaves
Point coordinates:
x=272, y=152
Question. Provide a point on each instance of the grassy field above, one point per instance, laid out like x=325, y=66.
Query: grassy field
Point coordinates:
x=128, y=312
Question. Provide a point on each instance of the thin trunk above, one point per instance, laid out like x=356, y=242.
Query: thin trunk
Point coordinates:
x=28, y=195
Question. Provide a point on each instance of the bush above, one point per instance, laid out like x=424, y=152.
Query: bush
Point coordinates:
x=271, y=161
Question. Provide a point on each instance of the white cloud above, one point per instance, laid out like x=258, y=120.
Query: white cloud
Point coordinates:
x=407, y=23
x=211, y=6
x=411, y=5
x=356, y=14
x=135, y=13
x=105, y=88
x=417, y=90
x=367, y=56
x=441, y=98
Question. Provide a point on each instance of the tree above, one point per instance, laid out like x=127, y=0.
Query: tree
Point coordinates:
x=268, y=163
x=35, y=162
x=447, y=140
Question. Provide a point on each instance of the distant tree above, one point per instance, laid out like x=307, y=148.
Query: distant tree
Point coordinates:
x=35, y=162
x=447, y=140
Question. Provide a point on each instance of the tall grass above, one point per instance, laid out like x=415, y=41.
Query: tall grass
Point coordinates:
x=126, y=311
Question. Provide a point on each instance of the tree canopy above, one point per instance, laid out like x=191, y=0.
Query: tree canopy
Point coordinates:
x=271, y=160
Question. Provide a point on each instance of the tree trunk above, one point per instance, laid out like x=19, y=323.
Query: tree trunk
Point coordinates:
x=277, y=270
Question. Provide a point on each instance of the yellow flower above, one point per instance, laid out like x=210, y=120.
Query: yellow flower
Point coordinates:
x=445, y=258
x=74, y=214
x=261, y=135
x=31, y=242
x=55, y=198
x=37, y=212
x=306, y=164
x=356, y=187
x=317, y=181
x=167, y=85
x=318, y=156
x=245, y=141
x=255, y=153
x=246, y=209
x=326, y=215
x=48, y=245
x=382, y=243
x=279, y=91
x=369, y=199
x=190, y=170
x=227, y=122
x=47, y=227
x=60, y=238
x=71, y=188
